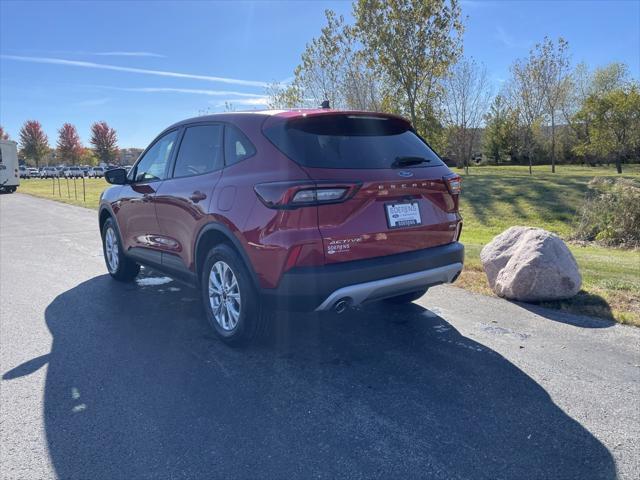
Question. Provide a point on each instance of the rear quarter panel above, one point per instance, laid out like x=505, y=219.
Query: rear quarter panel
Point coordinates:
x=267, y=235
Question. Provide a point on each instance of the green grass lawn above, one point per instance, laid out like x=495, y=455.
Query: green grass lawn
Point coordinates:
x=67, y=191
x=494, y=199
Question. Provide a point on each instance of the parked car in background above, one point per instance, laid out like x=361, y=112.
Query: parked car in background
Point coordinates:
x=48, y=172
x=73, y=172
x=34, y=172
x=96, y=172
x=312, y=210
x=60, y=170
x=24, y=172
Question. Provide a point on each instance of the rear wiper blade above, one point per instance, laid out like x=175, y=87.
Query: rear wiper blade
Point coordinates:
x=408, y=161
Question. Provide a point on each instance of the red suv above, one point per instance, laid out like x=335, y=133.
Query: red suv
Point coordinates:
x=304, y=210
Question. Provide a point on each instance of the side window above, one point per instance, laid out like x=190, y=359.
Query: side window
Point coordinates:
x=153, y=165
x=200, y=151
x=236, y=145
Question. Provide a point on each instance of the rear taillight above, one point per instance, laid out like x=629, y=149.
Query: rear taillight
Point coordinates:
x=319, y=195
x=296, y=194
x=454, y=183
x=458, y=231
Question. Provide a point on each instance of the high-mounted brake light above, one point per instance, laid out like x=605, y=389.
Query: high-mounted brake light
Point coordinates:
x=295, y=194
x=454, y=183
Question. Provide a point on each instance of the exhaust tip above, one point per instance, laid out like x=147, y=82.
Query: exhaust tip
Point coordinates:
x=455, y=277
x=341, y=305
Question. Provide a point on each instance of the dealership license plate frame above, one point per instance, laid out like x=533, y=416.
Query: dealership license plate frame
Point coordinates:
x=393, y=224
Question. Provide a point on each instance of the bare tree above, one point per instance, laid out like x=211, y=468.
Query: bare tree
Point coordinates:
x=550, y=68
x=320, y=74
x=361, y=86
x=283, y=96
x=332, y=68
x=525, y=96
x=466, y=100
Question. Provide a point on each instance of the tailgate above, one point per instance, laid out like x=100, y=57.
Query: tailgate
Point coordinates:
x=403, y=202
x=389, y=214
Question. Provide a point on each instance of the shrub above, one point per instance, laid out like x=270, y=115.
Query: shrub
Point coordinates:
x=611, y=213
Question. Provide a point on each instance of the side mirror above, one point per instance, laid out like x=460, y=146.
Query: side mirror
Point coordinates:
x=116, y=176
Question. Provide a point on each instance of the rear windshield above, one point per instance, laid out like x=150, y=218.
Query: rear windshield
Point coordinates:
x=350, y=141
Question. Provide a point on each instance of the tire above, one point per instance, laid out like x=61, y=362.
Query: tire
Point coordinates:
x=120, y=267
x=238, y=318
x=405, y=298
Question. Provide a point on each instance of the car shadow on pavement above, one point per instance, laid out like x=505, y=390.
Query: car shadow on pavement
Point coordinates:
x=138, y=388
x=27, y=368
x=596, y=312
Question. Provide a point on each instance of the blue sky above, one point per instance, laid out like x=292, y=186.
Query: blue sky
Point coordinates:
x=140, y=66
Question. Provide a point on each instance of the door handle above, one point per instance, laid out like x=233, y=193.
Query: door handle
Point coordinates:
x=197, y=196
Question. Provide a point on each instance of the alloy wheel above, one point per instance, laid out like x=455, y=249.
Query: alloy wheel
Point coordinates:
x=224, y=295
x=111, y=249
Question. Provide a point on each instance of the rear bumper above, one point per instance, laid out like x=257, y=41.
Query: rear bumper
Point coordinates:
x=392, y=286
x=360, y=281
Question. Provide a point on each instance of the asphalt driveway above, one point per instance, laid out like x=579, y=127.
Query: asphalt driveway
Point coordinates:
x=102, y=380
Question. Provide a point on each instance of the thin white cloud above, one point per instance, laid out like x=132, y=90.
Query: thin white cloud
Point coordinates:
x=129, y=54
x=144, y=71
x=507, y=40
x=192, y=91
x=251, y=101
x=113, y=53
x=287, y=80
x=245, y=102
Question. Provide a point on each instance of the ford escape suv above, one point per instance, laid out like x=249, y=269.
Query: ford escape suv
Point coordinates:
x=304, y=210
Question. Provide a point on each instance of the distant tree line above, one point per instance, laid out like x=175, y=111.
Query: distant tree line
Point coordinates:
x=34, y=144
x=550, y=113
x=406, y=57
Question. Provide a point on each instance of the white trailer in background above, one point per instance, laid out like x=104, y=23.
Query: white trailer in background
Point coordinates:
x=9, y=176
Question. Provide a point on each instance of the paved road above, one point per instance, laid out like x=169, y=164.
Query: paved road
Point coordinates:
x=108, y=381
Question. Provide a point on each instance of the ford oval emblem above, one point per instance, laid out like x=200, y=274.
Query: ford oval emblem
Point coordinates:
x=405, y=173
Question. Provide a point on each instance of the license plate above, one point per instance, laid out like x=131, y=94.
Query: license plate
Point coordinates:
x=403, y=215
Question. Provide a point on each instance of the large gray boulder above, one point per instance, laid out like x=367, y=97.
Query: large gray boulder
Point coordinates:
x=530, y=264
